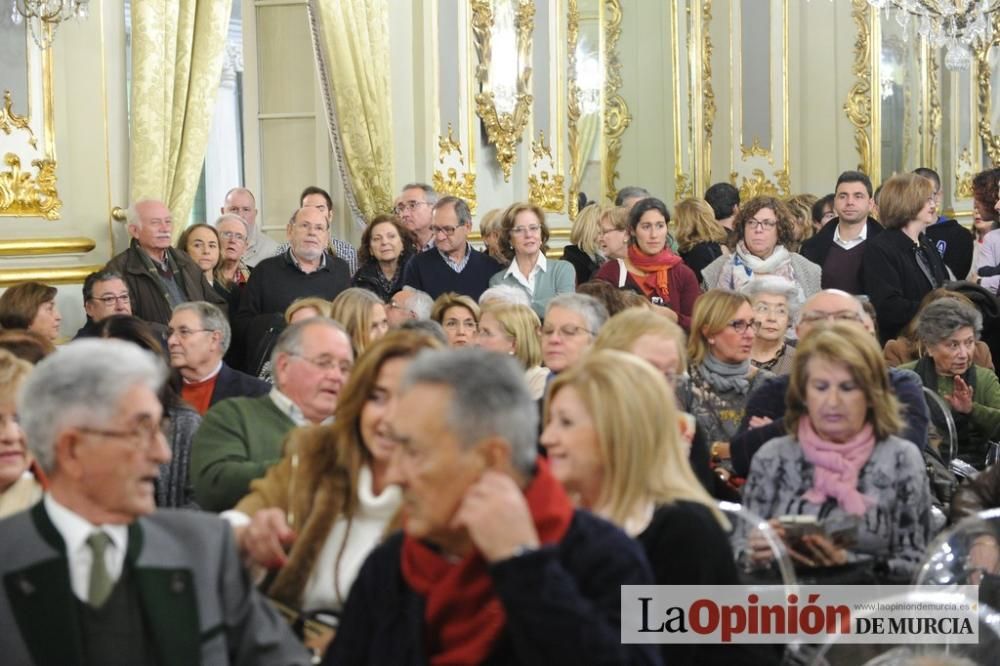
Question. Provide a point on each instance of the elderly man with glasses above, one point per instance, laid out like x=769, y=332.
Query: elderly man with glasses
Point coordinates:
x=765, y=410
x=453, y=265
x=240, y=438
x=414, y=206
x=94, y=575
x=104, y=294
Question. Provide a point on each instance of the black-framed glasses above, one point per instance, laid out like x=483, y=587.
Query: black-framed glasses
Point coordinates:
x=109, y=300
x=741, y=325
x=145, y=433
x=761, y=224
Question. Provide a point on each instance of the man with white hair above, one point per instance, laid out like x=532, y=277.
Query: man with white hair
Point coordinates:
x=240, y=438
x=94, y=574
x=240, y=201
x=407, y=304
x=765, y=410
x=159, y=277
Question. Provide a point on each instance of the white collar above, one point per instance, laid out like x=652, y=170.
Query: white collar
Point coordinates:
x=213, y=373
x=857, y=239
x=75, y=529
x=384, y=504
x=291, y=410
x=541, y=264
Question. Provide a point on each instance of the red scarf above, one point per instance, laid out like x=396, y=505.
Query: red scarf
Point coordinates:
x=462, y=615
x=655, y=281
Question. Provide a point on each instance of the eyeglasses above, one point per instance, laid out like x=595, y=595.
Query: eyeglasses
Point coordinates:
x=146, y=432
x=565, y=331
x=110, y=300
x=325, y=363
x=184, y=332
x=841, y=315
x=530, y=229
x=233, y=235
x=408, y=205
x=605, y=232
x=761, y=224
x=741, y=325
x=447, y=231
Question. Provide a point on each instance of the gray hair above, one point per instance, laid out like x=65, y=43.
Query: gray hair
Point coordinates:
x=505, y=293
x=290, y=340
x=428, y=327
x=231, y=216
x=420, y=303
x=132, y=218
x=588, y=307
x=775, y=286
x=212, y=319
x=81, y=384
x=461, y=208
x=944, y=317
x=631, y=192
x=430, y=194
x=489, y=398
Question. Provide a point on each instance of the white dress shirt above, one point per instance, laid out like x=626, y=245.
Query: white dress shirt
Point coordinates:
x=75, y=530
x=528, y=282
x=854, y=242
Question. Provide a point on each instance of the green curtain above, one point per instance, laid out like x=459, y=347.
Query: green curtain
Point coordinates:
x=177, y=52
x=351, y=43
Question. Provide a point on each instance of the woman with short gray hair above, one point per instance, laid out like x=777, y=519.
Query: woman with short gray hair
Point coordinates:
x=948, y=330
x=775, y=302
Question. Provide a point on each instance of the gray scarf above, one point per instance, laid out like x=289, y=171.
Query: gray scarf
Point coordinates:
x=723, y=376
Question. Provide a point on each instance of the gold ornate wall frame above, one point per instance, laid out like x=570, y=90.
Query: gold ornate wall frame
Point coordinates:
x=694, y=121
x=616, y=113
x=503, y=129
x=70, y=275
x=545, y=185
x=862, y=113
x=452, y=174
x=991, y=141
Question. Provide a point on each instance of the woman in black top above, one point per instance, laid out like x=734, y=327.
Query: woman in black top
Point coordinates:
x=386, y=246
x=700, y=237
x=583, y=251
x=900, y=266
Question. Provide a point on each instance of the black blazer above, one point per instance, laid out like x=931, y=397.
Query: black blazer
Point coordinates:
x=235, y=384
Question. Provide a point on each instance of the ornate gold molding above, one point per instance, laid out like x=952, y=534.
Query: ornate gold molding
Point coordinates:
x=756, y=150
x=934, y=113
x=759, y=184
x=22, y=247
x=545, y=186
x=26, y=193
x=616, y=113
x=991, y=142
x=683, y=186
x=452, y=176
x=572, y=104
x=707, y=93
x=503, y=130
x=963, y=175
x=559, y=234
x=71, y=275
x=859, y=107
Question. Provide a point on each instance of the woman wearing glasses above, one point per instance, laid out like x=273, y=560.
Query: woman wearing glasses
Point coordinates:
x=458, y=314
x=765, y=228
x=650, y=267
x=901, y=266
x=524, y=238
x=774, y=301
x=720, y=376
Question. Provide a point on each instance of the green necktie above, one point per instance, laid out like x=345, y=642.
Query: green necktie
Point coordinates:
x=100, y=580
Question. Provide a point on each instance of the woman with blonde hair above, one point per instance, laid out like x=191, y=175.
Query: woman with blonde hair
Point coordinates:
x=307, y=308
x=843, y=418
x=584, y=250
x=613, y=235
x=513, y=329
x=321, y=509
x=21, y=480
x=362, y=314
x=720, y=378
x=489, y=230
x=700, y=238
x=458, y=314
x=801, y=206
x=613, y=440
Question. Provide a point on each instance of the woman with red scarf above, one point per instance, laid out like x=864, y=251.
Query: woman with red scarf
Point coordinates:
x=651, y=268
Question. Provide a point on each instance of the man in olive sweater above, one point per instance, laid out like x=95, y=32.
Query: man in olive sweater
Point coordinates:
x=240, y=438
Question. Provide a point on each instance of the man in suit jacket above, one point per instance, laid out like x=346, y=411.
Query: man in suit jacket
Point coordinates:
x=158, y=276
x=199, y=336
x=91, y=575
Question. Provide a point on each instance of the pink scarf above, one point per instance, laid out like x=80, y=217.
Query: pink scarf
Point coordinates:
x=837, y=466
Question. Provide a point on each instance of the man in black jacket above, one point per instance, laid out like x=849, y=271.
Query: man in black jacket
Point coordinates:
x=952, y=241
x=839, y=246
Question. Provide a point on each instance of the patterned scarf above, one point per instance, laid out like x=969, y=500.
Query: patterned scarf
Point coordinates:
x=744, y=266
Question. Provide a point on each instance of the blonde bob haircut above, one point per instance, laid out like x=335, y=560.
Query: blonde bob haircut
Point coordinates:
x=352, y=309
x=449, y=300
x=521, y=323
x=901, y=199
x=856, y=349
x=712, y=312
x=320, y=305
x=617, y=216
x=644, y=455
x=696, y=223
x=624, y=329
x=586, y=230
x=13, y=371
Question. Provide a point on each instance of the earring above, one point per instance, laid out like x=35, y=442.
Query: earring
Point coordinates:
x=711, y=341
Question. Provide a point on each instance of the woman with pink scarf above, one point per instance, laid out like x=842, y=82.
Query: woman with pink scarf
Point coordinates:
x=842, y=465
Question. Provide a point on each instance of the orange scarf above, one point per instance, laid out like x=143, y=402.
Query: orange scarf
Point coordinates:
x=462, y=615
x=656, y=267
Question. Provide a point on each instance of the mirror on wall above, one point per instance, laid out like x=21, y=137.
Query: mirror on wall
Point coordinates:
x=903, y=97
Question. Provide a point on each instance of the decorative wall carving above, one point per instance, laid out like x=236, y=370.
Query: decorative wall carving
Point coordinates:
x=31, y=192
x=616, y=113
x=545, y=186
x=760, y=185
x=452, y=176
x=859, y=106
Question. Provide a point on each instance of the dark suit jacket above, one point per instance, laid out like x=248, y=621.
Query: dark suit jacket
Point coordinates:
x=235, y=384
x=199, y=604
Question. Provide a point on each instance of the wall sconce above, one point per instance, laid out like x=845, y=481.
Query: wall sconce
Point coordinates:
x=44, y=16
x=502, y=34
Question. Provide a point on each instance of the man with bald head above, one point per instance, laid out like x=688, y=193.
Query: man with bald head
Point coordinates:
x=240, y=201
x=765, y=410
x=159, y=277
